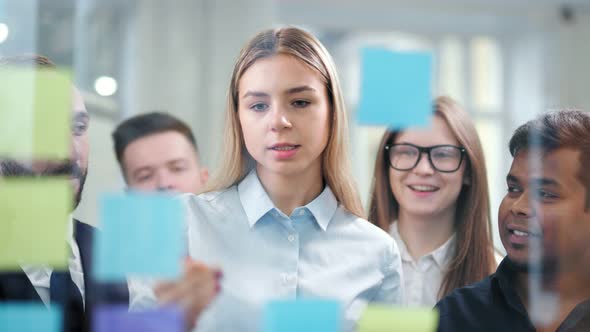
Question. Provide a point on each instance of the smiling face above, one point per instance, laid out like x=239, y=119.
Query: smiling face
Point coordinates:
x=545, y=199
x=284, y=114
x=423, y=191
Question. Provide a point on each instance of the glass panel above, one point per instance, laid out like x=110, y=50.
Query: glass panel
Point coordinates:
x=486, y=74
x=451, y=69
x=490, y=133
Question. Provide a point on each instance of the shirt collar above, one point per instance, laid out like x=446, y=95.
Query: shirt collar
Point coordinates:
x=42, y=271
x=254, y=198
x=577, y=319
x=441, y=256
x=505, y=280
x=323, y=207
x=70, y=229
x=444, y=253
x=256, y=202
x=394, y=232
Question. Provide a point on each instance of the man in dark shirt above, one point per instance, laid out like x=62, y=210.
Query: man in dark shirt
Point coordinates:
x=548, y=199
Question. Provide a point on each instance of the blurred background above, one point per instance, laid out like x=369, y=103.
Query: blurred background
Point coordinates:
x=504, y=60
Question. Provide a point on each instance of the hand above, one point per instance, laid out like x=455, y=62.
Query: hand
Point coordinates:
x=193, y=292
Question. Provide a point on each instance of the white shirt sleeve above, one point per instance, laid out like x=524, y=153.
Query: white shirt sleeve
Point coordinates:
x=141, y=294
x=391, y=290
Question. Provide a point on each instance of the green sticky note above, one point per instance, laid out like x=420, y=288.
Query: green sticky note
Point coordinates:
x=33, y=220
x=394, y=319
x=35, y=113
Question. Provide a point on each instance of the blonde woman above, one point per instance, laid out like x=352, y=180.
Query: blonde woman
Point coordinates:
x=283, y=219
x=430, y=192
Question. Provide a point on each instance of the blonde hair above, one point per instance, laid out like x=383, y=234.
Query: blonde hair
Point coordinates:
x=236, y=162
x=474, y=256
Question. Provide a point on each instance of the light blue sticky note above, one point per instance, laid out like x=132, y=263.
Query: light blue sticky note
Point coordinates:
x=302, y=315
x=30, y=317
x=141, y=235
x=396, y=89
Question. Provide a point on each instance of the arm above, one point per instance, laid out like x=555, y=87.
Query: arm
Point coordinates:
x=391, y=289
x=197, y=287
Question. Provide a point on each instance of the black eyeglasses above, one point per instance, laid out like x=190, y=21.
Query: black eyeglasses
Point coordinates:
x=443, y=158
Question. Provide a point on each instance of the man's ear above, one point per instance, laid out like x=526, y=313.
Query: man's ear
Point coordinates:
x=204, y=175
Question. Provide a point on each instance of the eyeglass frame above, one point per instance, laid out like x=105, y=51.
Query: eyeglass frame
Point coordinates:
x=421, y=151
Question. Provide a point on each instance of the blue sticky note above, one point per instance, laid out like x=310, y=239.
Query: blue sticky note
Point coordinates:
x=118, y=319
x=396, y=89
x=30, y=317
x=303, y=315
x=141, y=235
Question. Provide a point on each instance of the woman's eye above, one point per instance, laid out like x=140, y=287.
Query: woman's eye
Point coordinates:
x=259, y=107
x=301, y=103
x=406, y=153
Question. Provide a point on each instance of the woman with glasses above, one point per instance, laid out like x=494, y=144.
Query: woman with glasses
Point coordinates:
x=430, y=192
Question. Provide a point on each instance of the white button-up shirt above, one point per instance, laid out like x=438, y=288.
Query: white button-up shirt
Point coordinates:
x=319, y=251
x=40, y=276
x=423, y=277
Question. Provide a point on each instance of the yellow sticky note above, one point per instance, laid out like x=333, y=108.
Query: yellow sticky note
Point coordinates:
x=35, y=113
x=33, y=218
x=393, y=319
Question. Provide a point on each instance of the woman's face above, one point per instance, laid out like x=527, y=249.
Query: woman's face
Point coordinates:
x=284, y=113
x=424, y=192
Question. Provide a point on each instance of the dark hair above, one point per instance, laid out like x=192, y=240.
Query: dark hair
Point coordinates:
x=555, y=130
x=147, y=124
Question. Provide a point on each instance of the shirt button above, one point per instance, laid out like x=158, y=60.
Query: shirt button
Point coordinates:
x=288, y=279
x=302, y=212
x=291, y=238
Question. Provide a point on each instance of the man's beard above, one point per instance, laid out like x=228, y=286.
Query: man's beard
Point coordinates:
x=12, y=169
x=548, y=267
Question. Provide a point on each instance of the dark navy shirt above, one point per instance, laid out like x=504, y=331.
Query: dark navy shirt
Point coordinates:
x=492, y=304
